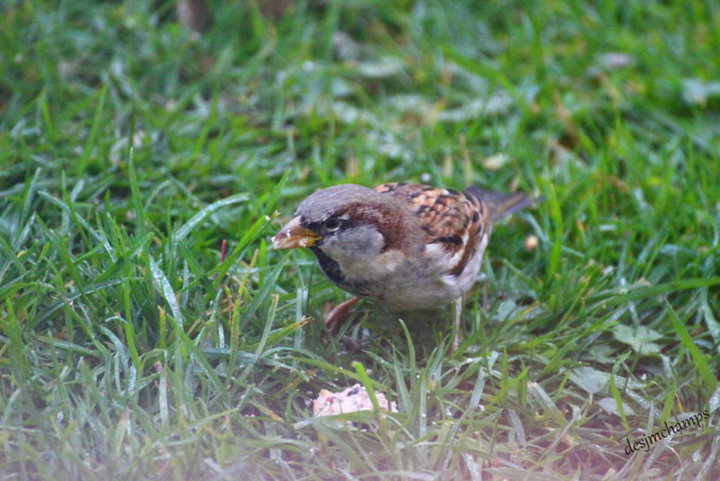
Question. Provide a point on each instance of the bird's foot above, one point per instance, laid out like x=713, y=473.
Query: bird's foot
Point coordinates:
x=339, y=315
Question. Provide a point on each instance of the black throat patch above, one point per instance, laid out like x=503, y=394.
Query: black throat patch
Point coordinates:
x=332, y=269
x=329, y=266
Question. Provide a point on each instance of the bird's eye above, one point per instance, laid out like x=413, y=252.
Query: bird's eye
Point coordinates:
x=332, y=224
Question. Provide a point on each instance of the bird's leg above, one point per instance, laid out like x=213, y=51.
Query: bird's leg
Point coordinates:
x=457, y=311
x=485, y=297
x=339, y=314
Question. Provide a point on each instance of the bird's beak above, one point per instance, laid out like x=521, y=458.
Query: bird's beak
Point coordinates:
x=294, y=235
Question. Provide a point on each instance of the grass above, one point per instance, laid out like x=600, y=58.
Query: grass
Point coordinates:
x=148, y=332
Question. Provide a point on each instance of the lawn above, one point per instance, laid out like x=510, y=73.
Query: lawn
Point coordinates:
x=149, y=332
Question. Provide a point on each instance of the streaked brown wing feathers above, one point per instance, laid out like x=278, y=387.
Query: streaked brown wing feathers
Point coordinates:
x=448, y=217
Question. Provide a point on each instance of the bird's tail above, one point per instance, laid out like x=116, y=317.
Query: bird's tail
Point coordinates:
x=502, y=205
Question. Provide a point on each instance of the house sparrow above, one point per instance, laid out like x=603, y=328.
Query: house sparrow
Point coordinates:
x=405, y=246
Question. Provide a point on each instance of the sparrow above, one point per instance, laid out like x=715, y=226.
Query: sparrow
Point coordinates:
x=402, y=245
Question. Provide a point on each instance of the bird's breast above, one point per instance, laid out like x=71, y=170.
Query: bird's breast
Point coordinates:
x=401, y=282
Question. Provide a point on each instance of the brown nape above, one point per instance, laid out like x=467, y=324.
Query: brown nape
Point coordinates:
x=440, y=213
x=390, y=221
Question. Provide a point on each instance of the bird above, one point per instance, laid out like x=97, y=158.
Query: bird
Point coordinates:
x=402, y=245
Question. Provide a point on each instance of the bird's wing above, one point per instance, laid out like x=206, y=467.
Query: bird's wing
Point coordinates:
x=452, y=220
